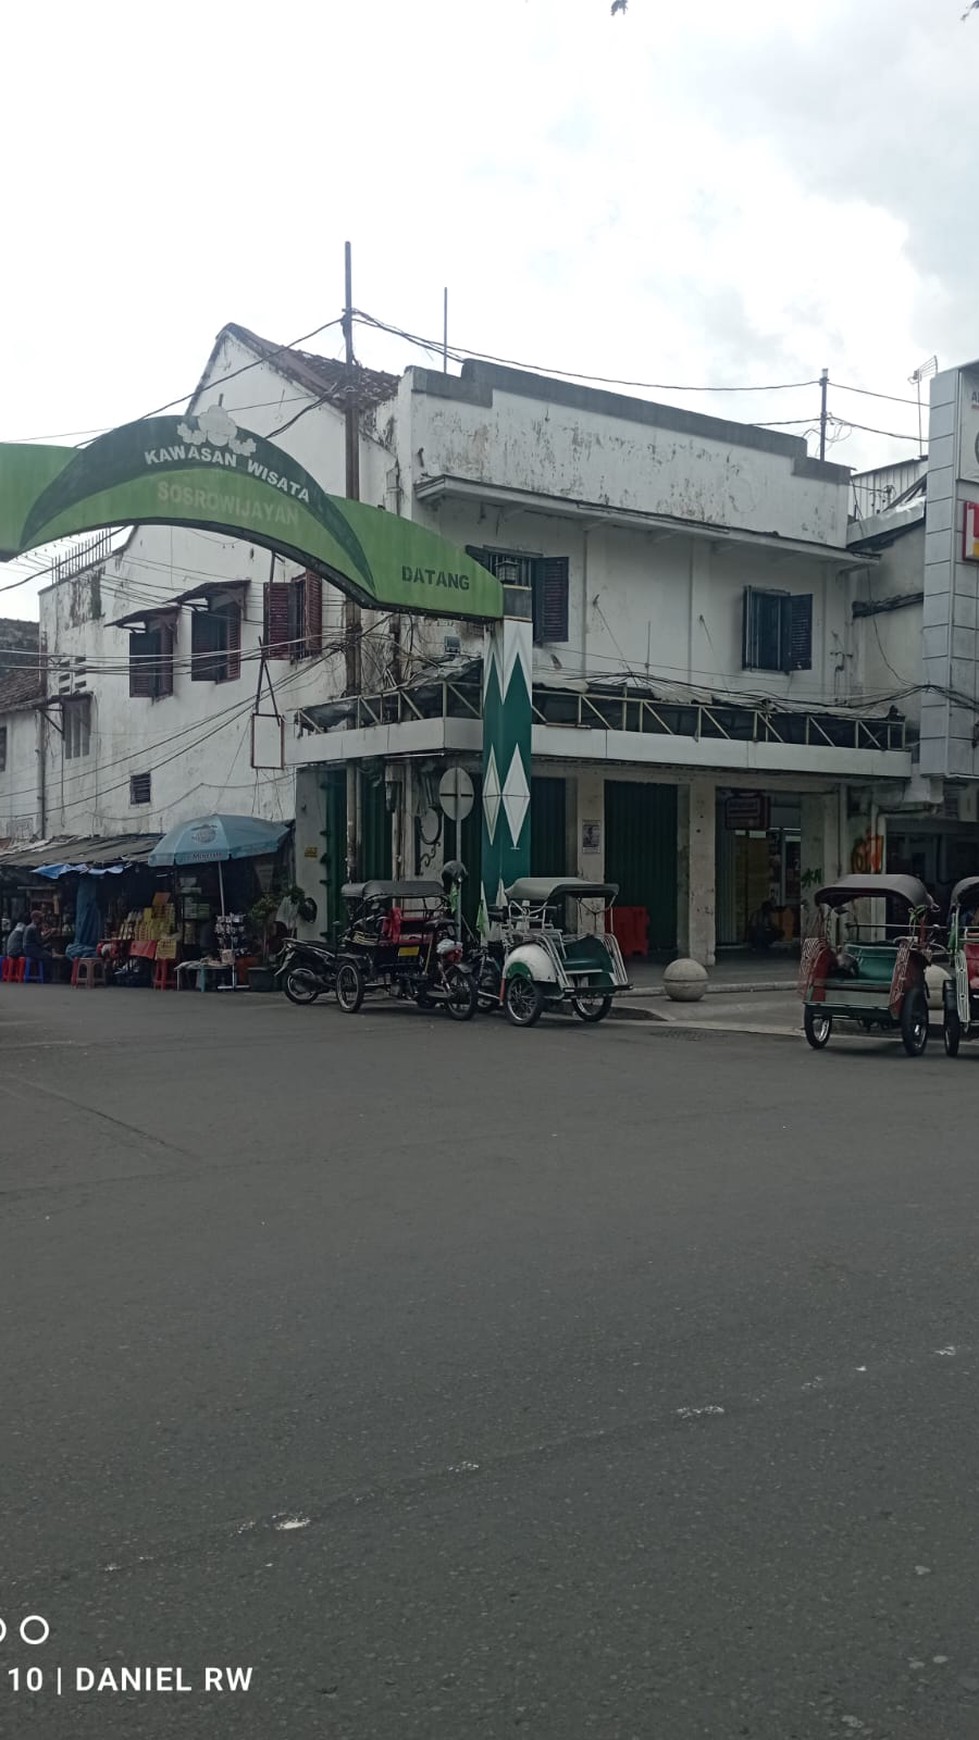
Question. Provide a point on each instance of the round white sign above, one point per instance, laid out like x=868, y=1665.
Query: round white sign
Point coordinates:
x=456, y=793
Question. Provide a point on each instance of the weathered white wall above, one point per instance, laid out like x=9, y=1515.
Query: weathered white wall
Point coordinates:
x=669, y=608
x=499, y=426
x=888, y=645
x=196, y=742
x=18, y=782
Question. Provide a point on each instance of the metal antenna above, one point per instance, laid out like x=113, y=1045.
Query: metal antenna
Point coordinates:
x=923, y=372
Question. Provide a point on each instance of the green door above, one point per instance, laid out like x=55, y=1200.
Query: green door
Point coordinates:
x=548, y=827
x=640, y=853
x=333, y=859
x=375, y=845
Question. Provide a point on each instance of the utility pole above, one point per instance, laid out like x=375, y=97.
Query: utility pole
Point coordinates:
x=351, y=611
x=823, y=413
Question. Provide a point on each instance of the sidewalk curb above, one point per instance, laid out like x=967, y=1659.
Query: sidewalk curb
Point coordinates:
x=739, y=989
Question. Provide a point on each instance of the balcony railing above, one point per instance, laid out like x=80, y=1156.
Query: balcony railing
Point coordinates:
x=597, y=710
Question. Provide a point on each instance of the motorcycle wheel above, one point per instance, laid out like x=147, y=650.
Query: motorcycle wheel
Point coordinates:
x=523, y=1001
x=914, y=1021
x=488, y=986
x=461, y=995
x=301, y=986
x=952, y=1033
x=350, y=987
x=591, y=1009
x=817, y=1027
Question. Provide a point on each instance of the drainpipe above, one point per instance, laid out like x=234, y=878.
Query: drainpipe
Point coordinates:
x=42, y=804
x=584, y=602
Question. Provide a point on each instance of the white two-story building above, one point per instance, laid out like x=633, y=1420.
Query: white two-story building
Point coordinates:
x=708, y=732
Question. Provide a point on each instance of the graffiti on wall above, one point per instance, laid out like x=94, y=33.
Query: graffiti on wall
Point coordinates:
x=867, y=857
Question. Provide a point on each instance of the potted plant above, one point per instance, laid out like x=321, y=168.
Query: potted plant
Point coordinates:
x=261, y=921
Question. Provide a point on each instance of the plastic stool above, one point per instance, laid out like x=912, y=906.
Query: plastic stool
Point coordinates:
x=19, y=965
x=87, y=973
x=164, y=975
x=8, y=972
x=32, y=972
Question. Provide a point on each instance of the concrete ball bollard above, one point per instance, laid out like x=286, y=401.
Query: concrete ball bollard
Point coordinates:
x=685, y=981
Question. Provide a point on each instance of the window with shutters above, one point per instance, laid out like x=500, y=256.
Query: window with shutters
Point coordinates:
x=777, y=630
x=547, y=577
x=151, y=660
x=215, y=644
x=76, y=724
x=140, y=788
x=3, y=748
x=294, y=618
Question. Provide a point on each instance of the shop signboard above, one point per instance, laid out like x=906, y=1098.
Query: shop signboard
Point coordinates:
x=970, y=532
x=206, y=471
x=748, y=812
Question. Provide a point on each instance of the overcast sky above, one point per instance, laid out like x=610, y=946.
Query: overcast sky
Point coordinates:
x=703, y=192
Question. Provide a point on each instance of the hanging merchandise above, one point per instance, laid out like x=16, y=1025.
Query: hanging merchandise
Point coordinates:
x=231, y=930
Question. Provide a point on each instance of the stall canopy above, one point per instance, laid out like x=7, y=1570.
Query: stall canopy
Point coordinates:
x=97, y=855
x=216, y=839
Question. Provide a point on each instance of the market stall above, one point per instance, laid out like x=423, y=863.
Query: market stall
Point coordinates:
x=82, y=888
x=224, y=868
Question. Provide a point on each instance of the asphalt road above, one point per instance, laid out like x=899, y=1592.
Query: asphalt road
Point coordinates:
x=464, y=1382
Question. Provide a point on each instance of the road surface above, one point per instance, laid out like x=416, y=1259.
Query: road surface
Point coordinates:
x=462, y=1382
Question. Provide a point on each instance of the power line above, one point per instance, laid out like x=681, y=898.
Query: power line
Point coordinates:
x=893, y=398
x=460, y=355
x=891, y=434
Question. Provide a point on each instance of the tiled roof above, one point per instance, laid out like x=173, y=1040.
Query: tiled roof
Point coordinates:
x=20, y=689
x=329, y=379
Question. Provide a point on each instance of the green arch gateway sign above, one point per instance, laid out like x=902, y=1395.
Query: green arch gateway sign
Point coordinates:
x=203, y=470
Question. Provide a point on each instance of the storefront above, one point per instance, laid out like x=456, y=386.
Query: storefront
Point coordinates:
x=759, y=863
x=229, y=877
x=147, y=915
x=79, y=886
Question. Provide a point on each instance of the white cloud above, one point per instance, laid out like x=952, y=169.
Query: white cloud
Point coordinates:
x=695, y=192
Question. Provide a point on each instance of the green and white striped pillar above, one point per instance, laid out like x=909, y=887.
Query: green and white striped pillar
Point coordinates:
x=508, y=657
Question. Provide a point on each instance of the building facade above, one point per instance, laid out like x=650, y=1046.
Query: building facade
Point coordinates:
x=712, y=728
x=700, y=737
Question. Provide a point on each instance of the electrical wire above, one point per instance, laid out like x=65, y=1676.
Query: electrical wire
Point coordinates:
x=868, y=393
x=890, y=434
x=459, y=354
x=220, y=720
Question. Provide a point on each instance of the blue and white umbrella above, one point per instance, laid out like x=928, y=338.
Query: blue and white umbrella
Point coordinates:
x=216, y=840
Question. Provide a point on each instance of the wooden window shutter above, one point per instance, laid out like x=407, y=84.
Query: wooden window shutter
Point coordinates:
x=142, y=665
x=312, y=614
x=799, y=633
x=551, y=599
x=166, y=642
x=278, y=600
x=748, y=659
x=204, y=644
x=232, y=617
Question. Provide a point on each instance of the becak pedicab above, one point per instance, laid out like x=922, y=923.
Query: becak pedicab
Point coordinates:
x=875, y=977
x=547, y=965
x=960, y=992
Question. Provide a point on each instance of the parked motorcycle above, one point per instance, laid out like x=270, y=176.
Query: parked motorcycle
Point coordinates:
x=306, y=970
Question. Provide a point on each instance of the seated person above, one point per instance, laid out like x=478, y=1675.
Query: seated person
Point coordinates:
x=15, y=941
x=34, y=941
